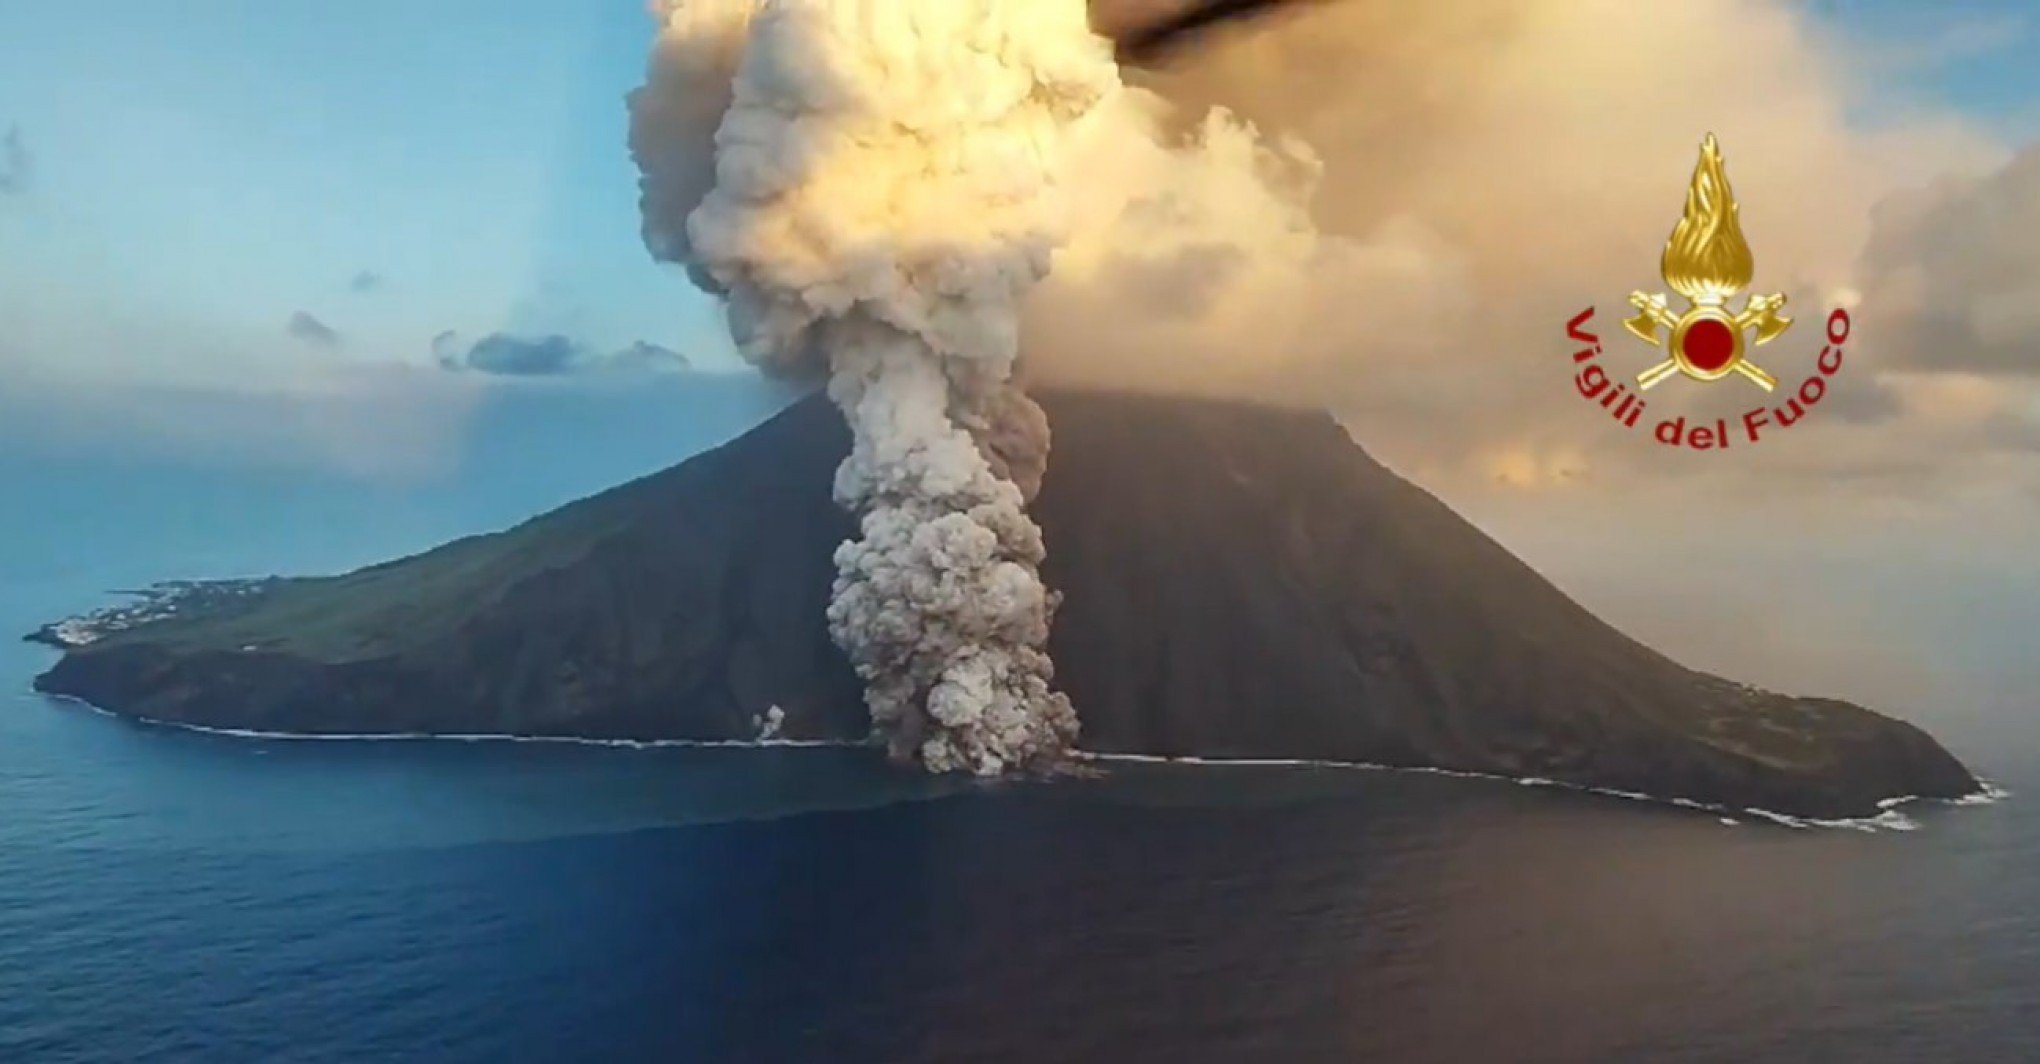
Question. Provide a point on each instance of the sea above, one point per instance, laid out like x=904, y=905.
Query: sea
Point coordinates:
x=175, y=895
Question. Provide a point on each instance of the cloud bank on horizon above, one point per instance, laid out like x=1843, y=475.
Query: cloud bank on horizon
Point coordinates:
x=554, y=355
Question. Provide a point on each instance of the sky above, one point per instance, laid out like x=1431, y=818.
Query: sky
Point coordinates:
x=1974, y=55
x=203, y=174
x=242, y=230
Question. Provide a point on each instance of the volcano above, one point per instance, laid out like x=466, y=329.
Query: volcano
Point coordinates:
x=1239, y=582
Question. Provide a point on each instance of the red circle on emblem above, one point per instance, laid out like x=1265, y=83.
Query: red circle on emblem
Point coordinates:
x=1708, y=345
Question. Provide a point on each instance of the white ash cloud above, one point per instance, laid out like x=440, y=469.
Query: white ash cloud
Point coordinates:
x=674, y=116
x=875, y=187
x=1401, y=204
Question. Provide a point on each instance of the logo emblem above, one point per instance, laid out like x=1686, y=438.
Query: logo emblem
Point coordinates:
x=1708, y=262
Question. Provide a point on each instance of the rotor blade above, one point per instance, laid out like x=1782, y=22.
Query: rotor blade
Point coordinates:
x=1146, y=30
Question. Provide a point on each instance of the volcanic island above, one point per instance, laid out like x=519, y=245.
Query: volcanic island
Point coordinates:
x=1238, y=582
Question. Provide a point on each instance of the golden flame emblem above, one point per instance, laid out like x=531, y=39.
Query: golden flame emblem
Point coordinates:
x=1707, y=261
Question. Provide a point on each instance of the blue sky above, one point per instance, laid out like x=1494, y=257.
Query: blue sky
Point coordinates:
x=1972, y=55
x=206, y=169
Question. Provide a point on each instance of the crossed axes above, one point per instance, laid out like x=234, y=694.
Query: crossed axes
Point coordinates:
x=1760, y=313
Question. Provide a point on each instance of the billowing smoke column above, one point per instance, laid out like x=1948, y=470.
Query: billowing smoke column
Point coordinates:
x=873, y=187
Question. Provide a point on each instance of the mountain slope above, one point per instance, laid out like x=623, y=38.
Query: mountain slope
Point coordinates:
x=1238, y=581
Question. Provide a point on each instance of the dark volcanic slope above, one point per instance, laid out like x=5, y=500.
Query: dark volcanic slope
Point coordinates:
x=1239, y=581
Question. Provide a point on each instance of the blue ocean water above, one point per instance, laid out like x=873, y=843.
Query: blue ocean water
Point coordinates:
x=180, y=896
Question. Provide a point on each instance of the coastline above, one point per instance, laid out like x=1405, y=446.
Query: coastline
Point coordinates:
x=456, y=737
x=1890, y=819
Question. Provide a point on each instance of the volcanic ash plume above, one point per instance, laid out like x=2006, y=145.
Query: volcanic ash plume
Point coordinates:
x=873, y=187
